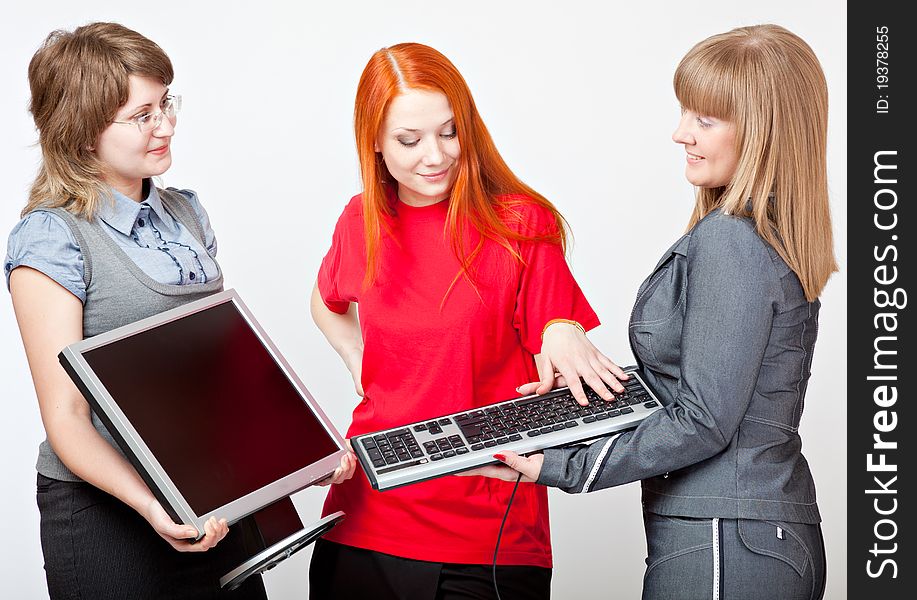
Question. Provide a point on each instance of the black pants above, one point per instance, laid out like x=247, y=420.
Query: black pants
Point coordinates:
x=344, y=572
x=97, y=547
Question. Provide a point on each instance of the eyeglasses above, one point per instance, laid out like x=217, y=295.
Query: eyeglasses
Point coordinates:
x=149, y=121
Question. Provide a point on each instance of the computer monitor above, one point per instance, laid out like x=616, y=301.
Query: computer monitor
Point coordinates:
x=207, y=410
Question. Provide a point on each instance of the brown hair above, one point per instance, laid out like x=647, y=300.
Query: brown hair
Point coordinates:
x=768, y=82
x=78, y=81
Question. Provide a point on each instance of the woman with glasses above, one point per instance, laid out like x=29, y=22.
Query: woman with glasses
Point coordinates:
x=99, y=246
x=458, y=271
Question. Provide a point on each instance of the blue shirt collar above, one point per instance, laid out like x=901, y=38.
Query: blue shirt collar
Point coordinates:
x=121, y=213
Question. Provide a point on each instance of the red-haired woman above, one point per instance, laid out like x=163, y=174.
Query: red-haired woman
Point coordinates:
x=464, y=293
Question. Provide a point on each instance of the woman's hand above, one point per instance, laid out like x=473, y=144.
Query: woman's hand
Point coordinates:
x=513, y=465
x=566, y=356
x=181, y=537
x=344, y=471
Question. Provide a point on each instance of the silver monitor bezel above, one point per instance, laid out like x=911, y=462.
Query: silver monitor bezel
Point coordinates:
x=143, y=457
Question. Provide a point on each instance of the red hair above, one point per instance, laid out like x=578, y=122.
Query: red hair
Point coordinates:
x=484, y=187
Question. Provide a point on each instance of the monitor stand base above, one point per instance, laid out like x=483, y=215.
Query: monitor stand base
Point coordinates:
x=275, y=533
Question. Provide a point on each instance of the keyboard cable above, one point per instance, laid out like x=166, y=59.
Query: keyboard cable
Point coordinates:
x=500, y=534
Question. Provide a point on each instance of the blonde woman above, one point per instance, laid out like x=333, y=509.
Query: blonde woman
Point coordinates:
x=724, y=328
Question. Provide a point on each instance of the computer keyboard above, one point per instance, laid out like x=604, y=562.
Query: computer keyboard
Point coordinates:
x=460, y=441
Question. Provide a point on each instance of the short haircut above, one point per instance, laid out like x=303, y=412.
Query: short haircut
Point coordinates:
x=78, y=81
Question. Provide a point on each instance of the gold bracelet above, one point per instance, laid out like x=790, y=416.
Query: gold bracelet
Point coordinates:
x=567, y=321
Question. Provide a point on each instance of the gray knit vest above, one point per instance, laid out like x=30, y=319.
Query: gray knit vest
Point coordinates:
x=118, y=292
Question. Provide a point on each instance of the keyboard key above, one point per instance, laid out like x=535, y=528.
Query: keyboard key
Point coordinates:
x=502, y=440
x=515, y=437
x=379, y=463
x=368, y=443
x=490, y=444
x=421, y=427
x=445, y=421
x=601, y=417
x=527, y=401
x=390, y=460
x=547, y=429
x=435, y=429
x=471, y=431
x=448, y=453
x=477, y=447
x=533, y=433
x=461, y=450
x=589, y=419
x=570, y=424
x=436, y=457
x=651, y=404
x=627, y=410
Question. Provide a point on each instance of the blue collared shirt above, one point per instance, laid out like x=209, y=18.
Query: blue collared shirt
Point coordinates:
x=161, y=246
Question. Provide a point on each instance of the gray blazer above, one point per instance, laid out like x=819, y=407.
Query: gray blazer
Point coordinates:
x=724, y=335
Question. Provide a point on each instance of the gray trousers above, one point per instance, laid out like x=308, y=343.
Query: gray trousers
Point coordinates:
x=732, y=559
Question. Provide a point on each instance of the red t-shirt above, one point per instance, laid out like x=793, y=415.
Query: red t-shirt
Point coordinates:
x=426, y=354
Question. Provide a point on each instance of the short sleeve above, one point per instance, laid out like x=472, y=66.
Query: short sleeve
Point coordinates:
x=547, y=289
x=43, y=241
x=330, y=272
x=210, y=240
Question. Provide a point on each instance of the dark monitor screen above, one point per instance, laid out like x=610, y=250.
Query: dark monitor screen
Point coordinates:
x=215, y=409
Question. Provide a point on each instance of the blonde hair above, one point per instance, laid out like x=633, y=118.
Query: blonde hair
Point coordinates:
x=768, y=82
x=78, y=81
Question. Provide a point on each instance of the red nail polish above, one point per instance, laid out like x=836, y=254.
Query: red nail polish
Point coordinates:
x=500, y=457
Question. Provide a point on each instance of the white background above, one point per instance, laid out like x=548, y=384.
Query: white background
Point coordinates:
x=578, y=98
